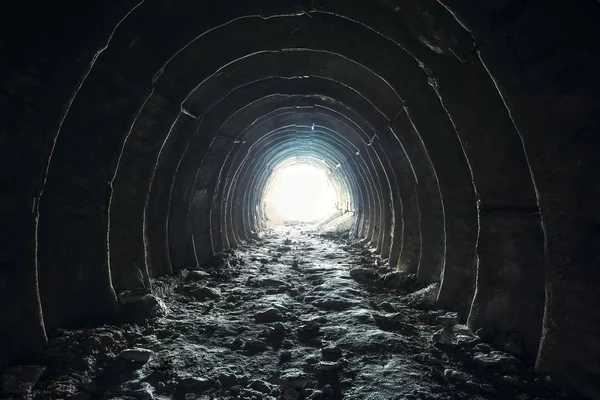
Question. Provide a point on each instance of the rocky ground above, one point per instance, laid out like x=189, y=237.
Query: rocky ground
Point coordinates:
x=297, y=315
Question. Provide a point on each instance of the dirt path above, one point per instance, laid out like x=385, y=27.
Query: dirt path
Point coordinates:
x=286, y=318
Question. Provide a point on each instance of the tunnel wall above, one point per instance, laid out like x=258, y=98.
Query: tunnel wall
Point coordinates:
x=483, y=119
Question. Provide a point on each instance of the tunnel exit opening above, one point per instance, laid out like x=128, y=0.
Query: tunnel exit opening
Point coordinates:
x=300, y=192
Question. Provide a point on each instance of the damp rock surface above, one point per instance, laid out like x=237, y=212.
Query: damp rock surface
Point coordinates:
x=307, y=324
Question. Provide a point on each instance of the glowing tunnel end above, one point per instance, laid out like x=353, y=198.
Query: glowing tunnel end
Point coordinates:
x=299, y=192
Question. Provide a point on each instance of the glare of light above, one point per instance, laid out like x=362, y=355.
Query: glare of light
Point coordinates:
x=301, y=193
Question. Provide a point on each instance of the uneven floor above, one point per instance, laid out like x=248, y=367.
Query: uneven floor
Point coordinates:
x=282, y=318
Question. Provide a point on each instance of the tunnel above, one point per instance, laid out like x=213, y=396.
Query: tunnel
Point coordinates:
x=140, y=138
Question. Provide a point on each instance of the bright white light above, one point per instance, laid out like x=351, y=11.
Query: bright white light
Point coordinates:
x=300, y=193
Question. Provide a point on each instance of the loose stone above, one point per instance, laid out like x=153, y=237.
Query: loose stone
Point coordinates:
x=309, y=330
x=255, y=345
x=328, y=366
x=483, y=348
x=448, y=319
x=453, y=375
x=205, y=293
x=136, y=354
x=262, y=386
x=293, y=378
x=494, y=359
x=267, y=316
x=363, y=274
x=197, y=275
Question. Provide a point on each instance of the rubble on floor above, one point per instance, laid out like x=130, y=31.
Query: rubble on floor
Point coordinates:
x=293, y=316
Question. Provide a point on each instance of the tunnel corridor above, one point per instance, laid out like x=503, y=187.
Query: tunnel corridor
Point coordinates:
x=139, y=142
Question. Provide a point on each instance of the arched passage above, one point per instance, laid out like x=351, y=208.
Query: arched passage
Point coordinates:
x=458, y=173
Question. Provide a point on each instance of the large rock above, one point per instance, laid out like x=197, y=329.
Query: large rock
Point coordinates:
x=495, y=359
x=255, y=346
x=293, y=378
x=279, y=329
x=237, y=344
x=397, y=322
x=268, y=316
x=483, y=348
x=227, y=380
x=331, y=353
x=424, y=299
x=309, y=331
x=466, y=341
x=195, y=385
x=132, y=390
x=262, y=386
x=456, y=376
x=448, y=319
x=21, y=379
x=197, y=275
x=147, y=306
x=203, y=293
x=363, y=275
x=396, y=279
x=136, y=354
x=328, y=366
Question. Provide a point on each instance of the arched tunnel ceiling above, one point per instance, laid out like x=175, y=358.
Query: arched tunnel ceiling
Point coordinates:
x=176, y=111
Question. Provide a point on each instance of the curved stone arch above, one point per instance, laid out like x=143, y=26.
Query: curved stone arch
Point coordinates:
x=259, y=126
x=106, y=70
x=318, y=127
x=256, y=176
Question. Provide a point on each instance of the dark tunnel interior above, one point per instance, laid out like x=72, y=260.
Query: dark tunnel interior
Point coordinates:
x=139, y=141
